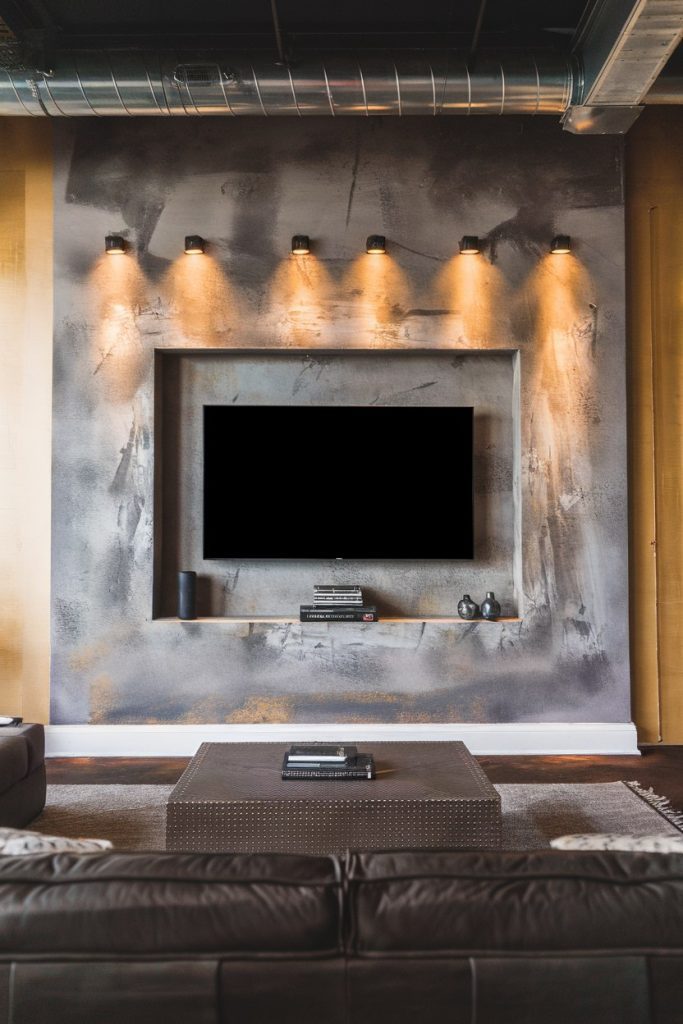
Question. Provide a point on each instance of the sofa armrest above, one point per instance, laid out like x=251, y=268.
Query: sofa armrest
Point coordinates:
x=34, y=737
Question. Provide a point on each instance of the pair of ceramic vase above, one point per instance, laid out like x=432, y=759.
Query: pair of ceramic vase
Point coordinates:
x=469, y=609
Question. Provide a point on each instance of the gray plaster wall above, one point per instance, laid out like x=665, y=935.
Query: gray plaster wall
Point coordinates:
x=535, y=342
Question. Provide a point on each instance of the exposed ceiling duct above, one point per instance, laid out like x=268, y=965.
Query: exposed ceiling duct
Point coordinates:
x=135, y=83
x=622, y=47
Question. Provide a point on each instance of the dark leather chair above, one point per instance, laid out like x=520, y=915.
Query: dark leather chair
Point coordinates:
x=22, y=774
x=404, y=938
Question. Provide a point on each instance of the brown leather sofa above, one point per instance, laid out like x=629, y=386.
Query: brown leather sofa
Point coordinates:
x=22, y=774
x=404, y=938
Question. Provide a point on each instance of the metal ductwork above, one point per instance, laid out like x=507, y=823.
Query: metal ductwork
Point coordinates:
x=108, y=83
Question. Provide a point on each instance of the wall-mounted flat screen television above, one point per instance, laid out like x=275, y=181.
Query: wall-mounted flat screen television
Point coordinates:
x=327, y=482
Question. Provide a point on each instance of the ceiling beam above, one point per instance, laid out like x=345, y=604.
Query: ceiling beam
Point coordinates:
x=621, y=46
x=26, y=16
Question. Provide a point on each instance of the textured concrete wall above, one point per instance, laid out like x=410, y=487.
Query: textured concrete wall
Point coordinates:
x=559, y=500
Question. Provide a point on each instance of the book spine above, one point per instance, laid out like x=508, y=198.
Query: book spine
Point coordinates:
x=320, y=589
x=288, y=773
x=337, y=593
x=292, y=762
x=346, y=603
x=338, y=615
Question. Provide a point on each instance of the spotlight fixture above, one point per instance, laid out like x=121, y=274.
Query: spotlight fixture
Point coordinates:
x=561, y=244
x=114, y=245
x=376, y=244
x=301, y=245
x=194, y=245
x=469, y=245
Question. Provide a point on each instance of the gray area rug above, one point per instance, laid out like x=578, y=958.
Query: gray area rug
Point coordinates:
x=134, y=817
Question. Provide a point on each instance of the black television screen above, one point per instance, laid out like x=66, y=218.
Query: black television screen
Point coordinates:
x=326, y=482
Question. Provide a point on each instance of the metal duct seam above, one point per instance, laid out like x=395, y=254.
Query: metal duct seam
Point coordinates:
x=86, y=83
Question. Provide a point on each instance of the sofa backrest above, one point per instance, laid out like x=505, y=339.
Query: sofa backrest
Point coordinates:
x=426, y=937
x=516, y=938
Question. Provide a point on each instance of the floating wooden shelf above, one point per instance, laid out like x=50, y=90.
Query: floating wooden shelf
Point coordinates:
x=284, y=619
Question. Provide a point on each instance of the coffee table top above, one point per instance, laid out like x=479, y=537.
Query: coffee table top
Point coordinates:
x=231, y=772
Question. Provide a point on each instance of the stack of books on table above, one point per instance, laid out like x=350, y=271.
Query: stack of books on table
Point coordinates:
x=327, y=761
x=337, y=604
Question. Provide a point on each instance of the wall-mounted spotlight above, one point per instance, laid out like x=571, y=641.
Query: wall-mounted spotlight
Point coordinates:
x=301, y=245
x=114, y=245
x=469, y=245
x=376, y=244
x=194, y=245
x=561, y=244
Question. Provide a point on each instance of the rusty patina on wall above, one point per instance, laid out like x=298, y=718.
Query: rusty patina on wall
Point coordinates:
x=248, y=188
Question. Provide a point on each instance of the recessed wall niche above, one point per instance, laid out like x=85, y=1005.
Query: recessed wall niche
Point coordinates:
x=185, y=381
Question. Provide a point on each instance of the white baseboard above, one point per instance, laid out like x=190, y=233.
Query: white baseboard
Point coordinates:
x=500, y=738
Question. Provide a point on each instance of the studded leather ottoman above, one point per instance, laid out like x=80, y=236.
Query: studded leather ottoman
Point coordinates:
x=231, y=798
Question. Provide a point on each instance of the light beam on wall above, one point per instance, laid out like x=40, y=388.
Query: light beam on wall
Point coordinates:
x=205, y=308
x=119, y=357
x=302, y=290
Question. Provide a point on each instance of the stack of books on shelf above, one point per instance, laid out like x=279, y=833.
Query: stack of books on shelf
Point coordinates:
x=337, y=604
x=327, y=761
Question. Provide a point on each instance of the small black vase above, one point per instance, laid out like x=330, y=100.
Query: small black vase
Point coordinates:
x=187, y=595
x=467, y=608
x=490, y=608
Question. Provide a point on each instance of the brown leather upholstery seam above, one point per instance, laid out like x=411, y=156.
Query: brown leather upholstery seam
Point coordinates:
x=521, y=878
x=153, y=879
x=498, y=953
x=86, y=956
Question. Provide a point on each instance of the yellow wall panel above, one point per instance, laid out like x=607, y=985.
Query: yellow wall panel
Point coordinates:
x=654, y=210
x=25, y=415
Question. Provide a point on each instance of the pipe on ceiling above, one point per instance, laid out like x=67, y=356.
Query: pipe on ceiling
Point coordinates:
x=135, y=83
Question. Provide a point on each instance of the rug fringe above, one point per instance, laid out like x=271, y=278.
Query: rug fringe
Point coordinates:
x=660, y=803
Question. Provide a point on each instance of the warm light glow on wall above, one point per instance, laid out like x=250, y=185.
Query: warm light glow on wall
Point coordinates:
x=380, y=296
x=119, y=357
x=204, y=306
x=474, y=297
x=302, y=291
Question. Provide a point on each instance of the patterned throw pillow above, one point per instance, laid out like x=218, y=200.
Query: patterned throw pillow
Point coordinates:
x=15, y=842
x=613, y=841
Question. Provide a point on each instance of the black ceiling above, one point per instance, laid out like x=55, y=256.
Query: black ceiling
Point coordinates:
x=305, y=23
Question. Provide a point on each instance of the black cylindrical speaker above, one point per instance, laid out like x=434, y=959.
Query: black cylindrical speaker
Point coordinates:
x=187, y=595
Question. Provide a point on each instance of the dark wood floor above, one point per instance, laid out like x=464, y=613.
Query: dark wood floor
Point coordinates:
x=660, y=767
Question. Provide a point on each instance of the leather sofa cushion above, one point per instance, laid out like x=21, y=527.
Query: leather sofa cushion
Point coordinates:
x=500, y=990
x=113, y=993
x=484, y=902
x=13, y=761
x=239, y=905
x=33, y=739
